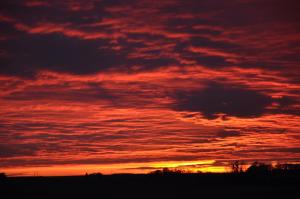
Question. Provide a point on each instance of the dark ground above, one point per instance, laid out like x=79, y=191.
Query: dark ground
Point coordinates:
x=284, y=185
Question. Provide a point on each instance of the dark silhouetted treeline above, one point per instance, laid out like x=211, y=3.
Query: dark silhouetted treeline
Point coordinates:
x=257, y=168
x=260, y=180
x=2, y=176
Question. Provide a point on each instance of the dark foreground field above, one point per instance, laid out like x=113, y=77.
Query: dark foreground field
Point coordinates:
x=154, y=186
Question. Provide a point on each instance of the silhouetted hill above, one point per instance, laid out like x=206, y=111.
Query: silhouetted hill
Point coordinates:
x=155, y=185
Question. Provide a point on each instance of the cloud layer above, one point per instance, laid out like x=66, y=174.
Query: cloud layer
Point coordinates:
x=139, y=82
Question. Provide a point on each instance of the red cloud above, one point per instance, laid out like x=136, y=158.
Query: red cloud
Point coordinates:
x=106, y=97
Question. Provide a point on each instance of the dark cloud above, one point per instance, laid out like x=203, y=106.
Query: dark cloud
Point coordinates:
x=223, y=99
x=208, y=61
x=15, y=150
x=149, y=64
x=65, y=93
x=58, y=53
x=272, y=150
x=7, y=30
x=287, y=105
x=53, y=11
x=30, y=53
x=227, y=133
x=263, y=129
x=205, y=42
x=239, y=12
x=100, y=160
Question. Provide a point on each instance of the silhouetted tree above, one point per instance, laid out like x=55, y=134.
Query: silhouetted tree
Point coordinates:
x=288, y=167
x=259, y=168
x=237, y=167
x=285, y=168
x=93, y=175
x=156, y=172
x=167, y=171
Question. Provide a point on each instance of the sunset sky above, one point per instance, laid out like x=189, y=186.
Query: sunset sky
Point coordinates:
x=118, y=86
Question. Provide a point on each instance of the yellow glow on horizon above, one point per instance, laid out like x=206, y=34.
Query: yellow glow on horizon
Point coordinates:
x=212, y=169
x=173, y=164
x=59, y=170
